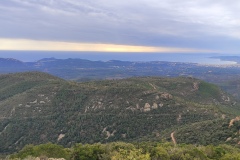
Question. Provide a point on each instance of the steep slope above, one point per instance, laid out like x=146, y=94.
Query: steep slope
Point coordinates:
x=38, y=108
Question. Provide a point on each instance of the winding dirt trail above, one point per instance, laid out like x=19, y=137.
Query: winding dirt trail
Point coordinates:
x=152, y=86
x=173, y=138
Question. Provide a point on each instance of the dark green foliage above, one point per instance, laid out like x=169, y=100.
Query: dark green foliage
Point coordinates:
x=207, y=89
x=40, y=108
x=209, y=132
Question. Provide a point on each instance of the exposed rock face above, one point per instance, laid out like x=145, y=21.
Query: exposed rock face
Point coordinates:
x=61, y=136
x=166, y=96
x=160, y=104
x=234, y=120
x=229, y=139
x=226, y=98
x=155, y=106
x=195, y=86
x=147, y=107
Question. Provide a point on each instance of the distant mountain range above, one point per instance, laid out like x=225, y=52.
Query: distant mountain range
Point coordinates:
x=55, y=66
x=12, y=65
x=84, y=70
x=80, y=69
x=37, y=108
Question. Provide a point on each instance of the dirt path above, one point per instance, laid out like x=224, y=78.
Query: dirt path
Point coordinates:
x=152, y=86
x=4, y=129
x=173, y=139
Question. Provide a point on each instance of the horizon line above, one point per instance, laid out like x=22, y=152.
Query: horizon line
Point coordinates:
x=40, y=45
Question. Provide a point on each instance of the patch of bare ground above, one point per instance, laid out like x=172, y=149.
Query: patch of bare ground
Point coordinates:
x=173, y=138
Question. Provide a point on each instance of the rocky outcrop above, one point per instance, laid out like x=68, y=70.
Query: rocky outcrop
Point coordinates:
x=147, y=107
x=155, y=106
x=108, y=133
x=60, y=137
x=166, y=96
x=234, y=120
x=195, y=86
x=225, y=98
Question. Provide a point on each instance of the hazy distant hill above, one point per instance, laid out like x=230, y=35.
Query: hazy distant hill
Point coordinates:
x=37, y=108
x=81, y=70
x=85, y=70
x=229, y=58
x=8, y=65
x=10, y=62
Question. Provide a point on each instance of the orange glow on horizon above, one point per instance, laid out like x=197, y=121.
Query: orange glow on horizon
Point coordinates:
x=28, y=45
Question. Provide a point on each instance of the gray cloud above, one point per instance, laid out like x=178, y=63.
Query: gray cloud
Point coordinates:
x=200, y=23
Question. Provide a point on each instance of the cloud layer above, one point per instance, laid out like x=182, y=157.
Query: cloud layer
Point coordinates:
x=203, y=24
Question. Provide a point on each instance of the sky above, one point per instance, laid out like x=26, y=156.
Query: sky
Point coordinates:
x=162, y=26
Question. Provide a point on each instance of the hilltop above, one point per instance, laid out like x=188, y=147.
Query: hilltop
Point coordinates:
x=9, y=65
x=37, y=108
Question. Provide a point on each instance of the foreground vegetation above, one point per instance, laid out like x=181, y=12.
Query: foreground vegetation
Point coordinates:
x=129, y=151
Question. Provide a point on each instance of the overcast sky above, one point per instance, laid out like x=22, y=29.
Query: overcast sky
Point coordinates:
x=188, y=25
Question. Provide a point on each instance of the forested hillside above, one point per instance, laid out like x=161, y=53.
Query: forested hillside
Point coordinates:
x=38, y=108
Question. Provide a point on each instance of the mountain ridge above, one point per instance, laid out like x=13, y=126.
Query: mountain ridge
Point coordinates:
x=139, y=108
